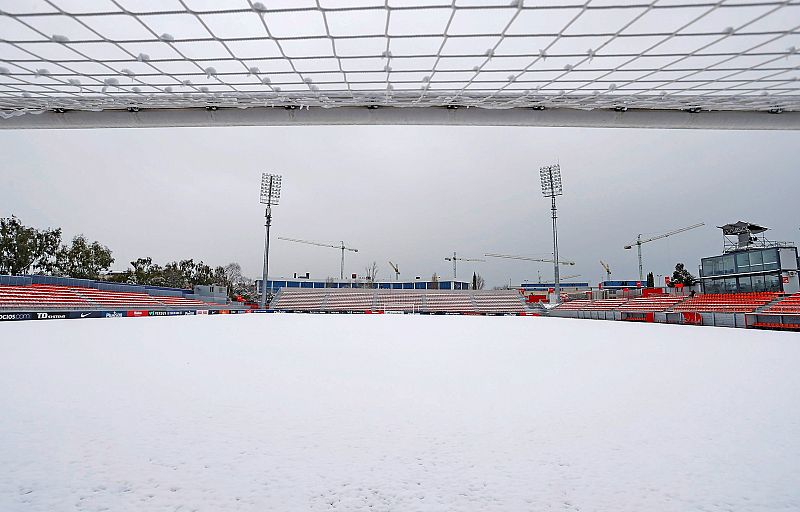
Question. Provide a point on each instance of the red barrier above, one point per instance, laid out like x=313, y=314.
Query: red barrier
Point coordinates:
x=690, y=317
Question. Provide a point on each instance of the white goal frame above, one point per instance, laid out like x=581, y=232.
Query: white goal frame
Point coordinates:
x=726, y=64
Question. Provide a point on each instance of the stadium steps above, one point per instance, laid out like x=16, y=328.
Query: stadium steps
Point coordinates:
x=275, y=298
x=672, y=309
x=84, y=297
x=770, y=304
x=325, y=301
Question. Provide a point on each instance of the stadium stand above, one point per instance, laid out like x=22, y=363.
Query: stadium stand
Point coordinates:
x=726, y=302
x=652, y=303
x=573, y=305
x=300, y=300
x=110, y=299
x=723, y=302
x=349, y=300
x=449, y=302
x=499, y=301
x=431, y=301
x=409, y=301
x=592, y=305
x=38, y=296
x=788, y=305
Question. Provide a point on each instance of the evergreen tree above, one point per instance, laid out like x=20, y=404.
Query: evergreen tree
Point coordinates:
x=651, y=282
x=682, y=276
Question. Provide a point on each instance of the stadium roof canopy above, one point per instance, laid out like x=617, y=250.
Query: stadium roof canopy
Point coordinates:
x=658, y=63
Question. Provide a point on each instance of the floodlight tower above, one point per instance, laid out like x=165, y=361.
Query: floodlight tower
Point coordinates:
x=550, y=176
x=270, y=194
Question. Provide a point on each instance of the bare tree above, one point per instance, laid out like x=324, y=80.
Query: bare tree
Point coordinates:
x=434, y=281
x=477, y=281
x=233, y=273
x=372, y=271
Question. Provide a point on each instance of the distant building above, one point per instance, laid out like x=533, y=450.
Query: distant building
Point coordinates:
x=277, y=283
x=565, y=286
x=750, y=263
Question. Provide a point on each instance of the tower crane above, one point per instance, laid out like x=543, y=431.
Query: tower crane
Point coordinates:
x=342, y=247
x=607, y=269
x=526, y=258
x=455, y=259
x=639, y=241
x=396, y=271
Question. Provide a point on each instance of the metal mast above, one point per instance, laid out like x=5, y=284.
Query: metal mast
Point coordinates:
x=550, y=176
x=270, y=195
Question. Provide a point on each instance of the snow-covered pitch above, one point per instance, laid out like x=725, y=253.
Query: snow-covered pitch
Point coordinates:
x=396, y=413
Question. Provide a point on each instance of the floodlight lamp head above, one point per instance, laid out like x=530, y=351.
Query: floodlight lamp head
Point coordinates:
x=628, y=247
x=550, y=177
x=270, y=189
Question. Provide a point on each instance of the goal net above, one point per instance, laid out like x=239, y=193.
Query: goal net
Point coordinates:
x=680, y=55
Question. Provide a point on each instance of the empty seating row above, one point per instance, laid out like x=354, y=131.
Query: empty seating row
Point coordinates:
x=300, y=300
x=726, y=302
x=458, y=302
x=106, y=298
x=38, y=296
x=408, y=301
x=591, y=305
x=790, y=304
x=652, y=303
x=349, y=301
x=499, y=301
x=52, y=296
x=573, y=305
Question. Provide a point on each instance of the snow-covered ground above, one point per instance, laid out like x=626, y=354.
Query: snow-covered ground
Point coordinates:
x=390, y=412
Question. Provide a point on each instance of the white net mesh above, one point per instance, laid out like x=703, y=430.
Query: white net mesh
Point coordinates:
x=602, y=54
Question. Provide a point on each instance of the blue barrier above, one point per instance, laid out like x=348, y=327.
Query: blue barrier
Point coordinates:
x=15, y=280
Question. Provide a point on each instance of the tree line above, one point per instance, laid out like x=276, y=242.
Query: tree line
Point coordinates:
x=28, y=250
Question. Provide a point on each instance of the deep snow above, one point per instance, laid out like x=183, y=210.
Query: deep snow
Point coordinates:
x=392, y=412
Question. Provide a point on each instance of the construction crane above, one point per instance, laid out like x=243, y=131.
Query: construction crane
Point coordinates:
x=639, y=241
x=342, y=247
x=455, y=259
x=396, y=271
x=607, y=269
x=526, y=258
x=570, y=276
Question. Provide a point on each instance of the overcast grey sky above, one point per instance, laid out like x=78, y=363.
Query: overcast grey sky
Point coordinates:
x=412, y=195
